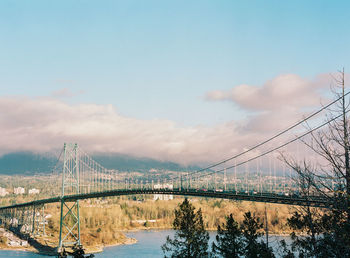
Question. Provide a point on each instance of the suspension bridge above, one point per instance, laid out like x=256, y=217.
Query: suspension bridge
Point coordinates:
x=256, y=174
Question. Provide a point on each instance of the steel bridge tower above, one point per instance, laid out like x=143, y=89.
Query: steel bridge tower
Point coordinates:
x=69, y=220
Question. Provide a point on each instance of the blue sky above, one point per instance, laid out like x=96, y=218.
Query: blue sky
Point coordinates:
x=158, y=59
x=185, y=81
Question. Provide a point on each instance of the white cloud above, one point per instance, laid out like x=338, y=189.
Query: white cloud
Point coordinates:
x=286, y=91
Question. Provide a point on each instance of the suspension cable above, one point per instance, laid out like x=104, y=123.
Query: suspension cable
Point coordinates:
x=271, y=138
x=276, y=148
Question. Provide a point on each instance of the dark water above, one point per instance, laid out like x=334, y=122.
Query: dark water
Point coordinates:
x=148, y=245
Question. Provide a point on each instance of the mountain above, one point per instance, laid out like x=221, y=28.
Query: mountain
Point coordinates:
x=26, y=163
x=30, y=163
x=129, y=163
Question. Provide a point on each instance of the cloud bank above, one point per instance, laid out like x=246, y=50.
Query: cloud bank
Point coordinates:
x=44, y=124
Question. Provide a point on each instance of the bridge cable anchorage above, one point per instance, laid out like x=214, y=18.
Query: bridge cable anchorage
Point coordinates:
x=273, y=137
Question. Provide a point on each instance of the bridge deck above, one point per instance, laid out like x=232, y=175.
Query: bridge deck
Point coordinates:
x=267, y=198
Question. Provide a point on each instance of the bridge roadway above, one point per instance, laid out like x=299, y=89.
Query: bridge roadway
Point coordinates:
x=258, y=197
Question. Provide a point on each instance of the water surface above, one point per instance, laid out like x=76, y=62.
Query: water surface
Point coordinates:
x=148, y=245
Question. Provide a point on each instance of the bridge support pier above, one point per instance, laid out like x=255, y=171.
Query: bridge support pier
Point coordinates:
x=39, y=221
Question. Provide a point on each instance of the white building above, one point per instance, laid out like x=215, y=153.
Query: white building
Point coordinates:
x=3, y=192
x=19, y=190
x=33, y=191
x=163, y=197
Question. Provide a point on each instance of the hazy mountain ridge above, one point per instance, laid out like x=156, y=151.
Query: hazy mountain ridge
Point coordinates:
x=31, y=163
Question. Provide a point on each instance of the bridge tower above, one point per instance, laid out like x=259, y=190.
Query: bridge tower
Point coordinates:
x=69, y=219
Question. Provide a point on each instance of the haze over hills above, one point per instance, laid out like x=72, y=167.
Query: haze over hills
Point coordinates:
x=30, y=163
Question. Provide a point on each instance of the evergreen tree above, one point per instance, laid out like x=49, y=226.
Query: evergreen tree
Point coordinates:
x=284, y=251
x=229, y=240
x=191, y=238
x=251, y=232
x=250, y=228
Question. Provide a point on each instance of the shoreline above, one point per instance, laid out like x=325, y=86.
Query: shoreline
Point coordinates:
x=97, y=249
x=100, y=248
x=30, y=249
x=88, y=249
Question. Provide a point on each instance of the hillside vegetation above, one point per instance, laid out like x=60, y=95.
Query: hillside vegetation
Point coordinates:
x=103, y=221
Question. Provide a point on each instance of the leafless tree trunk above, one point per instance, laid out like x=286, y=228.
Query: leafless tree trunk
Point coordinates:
x=329, y=177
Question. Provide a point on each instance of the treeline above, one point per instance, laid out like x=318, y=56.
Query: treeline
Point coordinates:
x=103, y=221
x=232, y=240
x=122, y=213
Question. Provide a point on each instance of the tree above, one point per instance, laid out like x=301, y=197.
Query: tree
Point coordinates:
x=237, y=241
x=328, y=230
x=284, y=251
x=251, y=232
x=229, y=240
x=191, y=238
x=306, y=219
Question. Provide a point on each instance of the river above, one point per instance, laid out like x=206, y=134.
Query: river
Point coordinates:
x=148, y=245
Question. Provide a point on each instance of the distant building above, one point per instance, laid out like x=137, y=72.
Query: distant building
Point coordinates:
x=163, y=197
x=3, y=192
x=163, y=186
x=33, y=191
x=19, y=190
